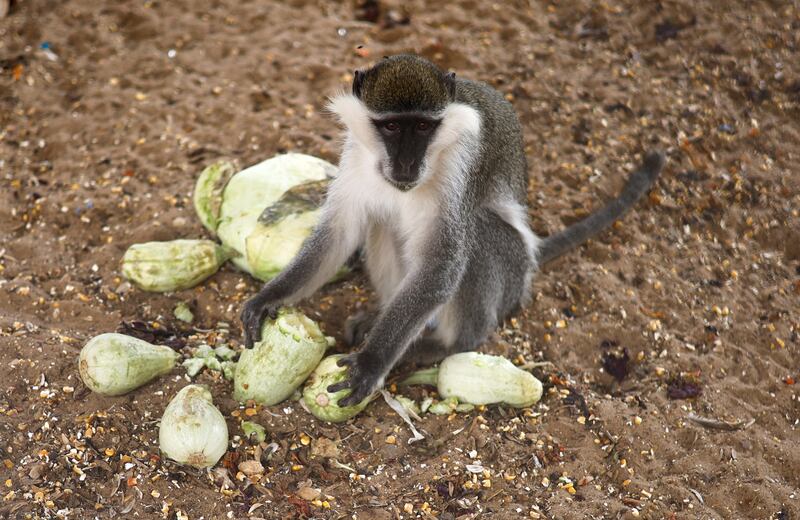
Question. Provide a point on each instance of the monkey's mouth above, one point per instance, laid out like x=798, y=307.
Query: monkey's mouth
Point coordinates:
x=402, y=186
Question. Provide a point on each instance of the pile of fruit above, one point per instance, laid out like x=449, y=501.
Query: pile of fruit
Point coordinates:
x=261, y=216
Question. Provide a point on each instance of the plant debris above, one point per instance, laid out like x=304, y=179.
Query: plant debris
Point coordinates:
x=720, y=425
x=101, y=149
x=683, y=387
x=617, y=364
x=153, y=332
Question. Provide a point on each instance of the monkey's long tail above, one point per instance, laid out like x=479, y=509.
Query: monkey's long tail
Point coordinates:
x=638, y=184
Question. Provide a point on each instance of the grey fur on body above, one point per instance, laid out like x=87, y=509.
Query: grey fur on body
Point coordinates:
x=451, y=253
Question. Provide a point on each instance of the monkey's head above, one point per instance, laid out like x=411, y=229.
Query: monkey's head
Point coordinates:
x=406, y=97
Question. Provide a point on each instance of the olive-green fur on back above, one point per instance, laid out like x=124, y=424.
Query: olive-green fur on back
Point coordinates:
x=404, y=83
x=501, y=165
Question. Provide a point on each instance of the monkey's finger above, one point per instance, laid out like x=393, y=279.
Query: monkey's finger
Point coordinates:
x=255, y=333
x=246, y=329
x=356, y=397
x=346, y=361
x=346, y=401
x=252, y=333
x=272, y=312
x=341, y=385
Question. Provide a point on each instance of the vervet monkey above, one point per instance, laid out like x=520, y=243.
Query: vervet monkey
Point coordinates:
x=432, y=182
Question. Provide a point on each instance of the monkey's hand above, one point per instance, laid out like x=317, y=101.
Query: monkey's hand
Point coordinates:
x=364, y=378
x=255, y=310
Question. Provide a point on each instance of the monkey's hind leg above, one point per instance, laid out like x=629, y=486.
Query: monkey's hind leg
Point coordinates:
x=425, y=351
x=435, y=345
x=493, y=287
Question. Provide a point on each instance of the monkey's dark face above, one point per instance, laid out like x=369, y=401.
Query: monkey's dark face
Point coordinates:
x=406, y=138
x=406, y=97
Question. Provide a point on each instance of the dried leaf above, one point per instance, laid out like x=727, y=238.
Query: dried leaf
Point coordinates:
x=720, y=425
x=324, y=447
x=404, y=414
x=157, y=335
x=617, y=364
x=681, y=388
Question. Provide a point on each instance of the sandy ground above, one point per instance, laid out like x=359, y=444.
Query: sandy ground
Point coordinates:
x=109, y=110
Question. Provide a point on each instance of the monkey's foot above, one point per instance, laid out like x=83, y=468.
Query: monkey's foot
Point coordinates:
x=254, y=312
x=363, y=378
x=358, y=326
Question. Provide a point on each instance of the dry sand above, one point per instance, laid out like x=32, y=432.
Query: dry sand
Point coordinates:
x=691, y=301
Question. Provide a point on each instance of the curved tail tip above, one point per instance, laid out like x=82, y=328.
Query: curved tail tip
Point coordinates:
x=653, y=163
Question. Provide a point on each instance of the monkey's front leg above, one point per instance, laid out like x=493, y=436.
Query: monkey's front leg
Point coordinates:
x=322, y=253
x=400, y=323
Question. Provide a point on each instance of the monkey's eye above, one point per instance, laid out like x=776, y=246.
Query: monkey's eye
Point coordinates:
x=423, y=126
x=391, y=126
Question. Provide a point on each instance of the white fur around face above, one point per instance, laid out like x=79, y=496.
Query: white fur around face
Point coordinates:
x=352, y=113
x=396, y=221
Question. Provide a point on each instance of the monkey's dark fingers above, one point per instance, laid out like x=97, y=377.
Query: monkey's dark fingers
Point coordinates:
x=251, y=322
x=252, y=336
x=347, y=361
x=250, y=332
x=341, y=385
x=348, y=401
x=358, y=395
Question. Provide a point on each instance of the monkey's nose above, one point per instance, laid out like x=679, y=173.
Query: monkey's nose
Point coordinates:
x=406, y=164
x=405, y=171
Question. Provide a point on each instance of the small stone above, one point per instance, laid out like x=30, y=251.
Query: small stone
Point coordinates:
x=36, y=472
x=251, y=467
x=309, y=493
x=324, y=447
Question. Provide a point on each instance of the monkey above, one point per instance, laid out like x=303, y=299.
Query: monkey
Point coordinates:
x=432, y=183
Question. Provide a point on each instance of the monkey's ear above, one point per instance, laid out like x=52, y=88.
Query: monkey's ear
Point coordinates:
x=450, y=82
x=358, y=82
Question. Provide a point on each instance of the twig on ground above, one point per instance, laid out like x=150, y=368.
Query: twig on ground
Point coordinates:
x=720, y=425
